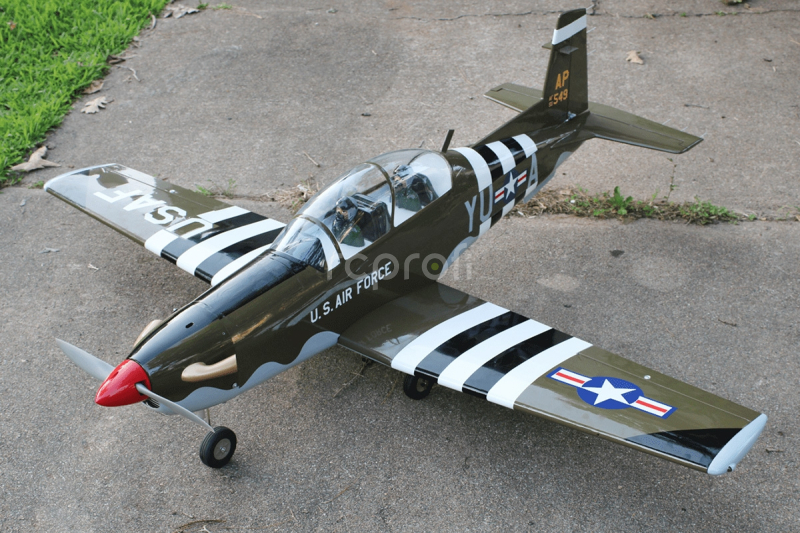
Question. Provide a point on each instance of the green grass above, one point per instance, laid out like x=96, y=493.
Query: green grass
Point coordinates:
x=49, y=51
x=577, y=201
x=228, y=191
x=205, y=192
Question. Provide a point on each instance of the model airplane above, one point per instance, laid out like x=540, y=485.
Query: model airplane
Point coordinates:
x=358, y=267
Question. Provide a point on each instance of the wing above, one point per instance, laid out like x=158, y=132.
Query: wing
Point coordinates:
x=203, y=236
x=479, y=348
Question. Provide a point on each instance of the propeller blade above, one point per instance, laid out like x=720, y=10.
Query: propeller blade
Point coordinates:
x=174, y=407
x=97, y=368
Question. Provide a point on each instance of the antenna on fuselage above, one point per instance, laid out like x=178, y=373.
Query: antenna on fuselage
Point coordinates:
x=447, y=140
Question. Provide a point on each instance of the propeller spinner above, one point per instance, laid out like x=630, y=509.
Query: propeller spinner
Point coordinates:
x=119, y=388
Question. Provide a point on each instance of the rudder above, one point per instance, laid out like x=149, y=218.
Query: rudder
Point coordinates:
x=566, y=86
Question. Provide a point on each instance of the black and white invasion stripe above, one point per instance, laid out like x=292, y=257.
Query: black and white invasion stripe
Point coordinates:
x=494, y=160
x=236, y=237
x=489, y=352
x=498, y=158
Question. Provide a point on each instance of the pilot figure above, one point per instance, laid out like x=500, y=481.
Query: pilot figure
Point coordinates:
x=412, y=192
x=344, y=227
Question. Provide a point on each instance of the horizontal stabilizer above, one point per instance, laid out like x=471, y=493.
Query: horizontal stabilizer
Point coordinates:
x=606, y=122
x=516, y=97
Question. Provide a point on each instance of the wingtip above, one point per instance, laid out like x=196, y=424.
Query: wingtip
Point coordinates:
x=733, y=452
x=50, y=182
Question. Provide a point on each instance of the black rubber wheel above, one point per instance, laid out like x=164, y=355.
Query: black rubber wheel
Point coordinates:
x=218, y=447
x=417, y=388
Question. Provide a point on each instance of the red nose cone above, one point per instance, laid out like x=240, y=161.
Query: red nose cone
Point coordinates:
x=119, y=388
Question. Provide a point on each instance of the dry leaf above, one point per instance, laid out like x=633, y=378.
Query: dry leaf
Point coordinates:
x=113, y=60
x=93, y=106
x=94, y=87
x=178, y=10
x=36, y=161
x=633, y=57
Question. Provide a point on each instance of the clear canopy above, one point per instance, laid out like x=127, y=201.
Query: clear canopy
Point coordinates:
x=308, y=243
x=362, y=206
x=418, y=178
x=355, y=207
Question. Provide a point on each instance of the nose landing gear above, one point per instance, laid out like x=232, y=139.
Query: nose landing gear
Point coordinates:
x=220, y=442
x=218, y=447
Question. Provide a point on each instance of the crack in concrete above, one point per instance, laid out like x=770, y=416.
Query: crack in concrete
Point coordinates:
x=684, y=14
x=473, y=15
x=592, y=11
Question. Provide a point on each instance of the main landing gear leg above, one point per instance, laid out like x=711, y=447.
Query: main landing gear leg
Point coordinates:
x=416, y=387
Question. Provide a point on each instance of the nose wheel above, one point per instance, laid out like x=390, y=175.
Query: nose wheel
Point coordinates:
x=220, y=442
x=416, y=387
x=218, y=447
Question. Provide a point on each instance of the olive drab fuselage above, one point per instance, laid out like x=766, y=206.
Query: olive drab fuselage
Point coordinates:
x=276, y=325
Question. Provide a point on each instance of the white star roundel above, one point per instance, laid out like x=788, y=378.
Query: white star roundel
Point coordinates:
x=611, y=393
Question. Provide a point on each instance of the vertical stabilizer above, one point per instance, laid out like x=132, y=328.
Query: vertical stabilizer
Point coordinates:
x=565, y=87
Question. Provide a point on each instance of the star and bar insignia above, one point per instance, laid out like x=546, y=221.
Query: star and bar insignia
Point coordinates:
x=611, y=393
x=509, y=190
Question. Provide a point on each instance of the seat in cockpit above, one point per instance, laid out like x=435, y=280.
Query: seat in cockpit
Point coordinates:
x=412, y=191
x=373, y=217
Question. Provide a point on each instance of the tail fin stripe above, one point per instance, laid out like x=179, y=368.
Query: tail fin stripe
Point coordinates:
x=526, y=143
x=562, y=34
x=504, y=154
